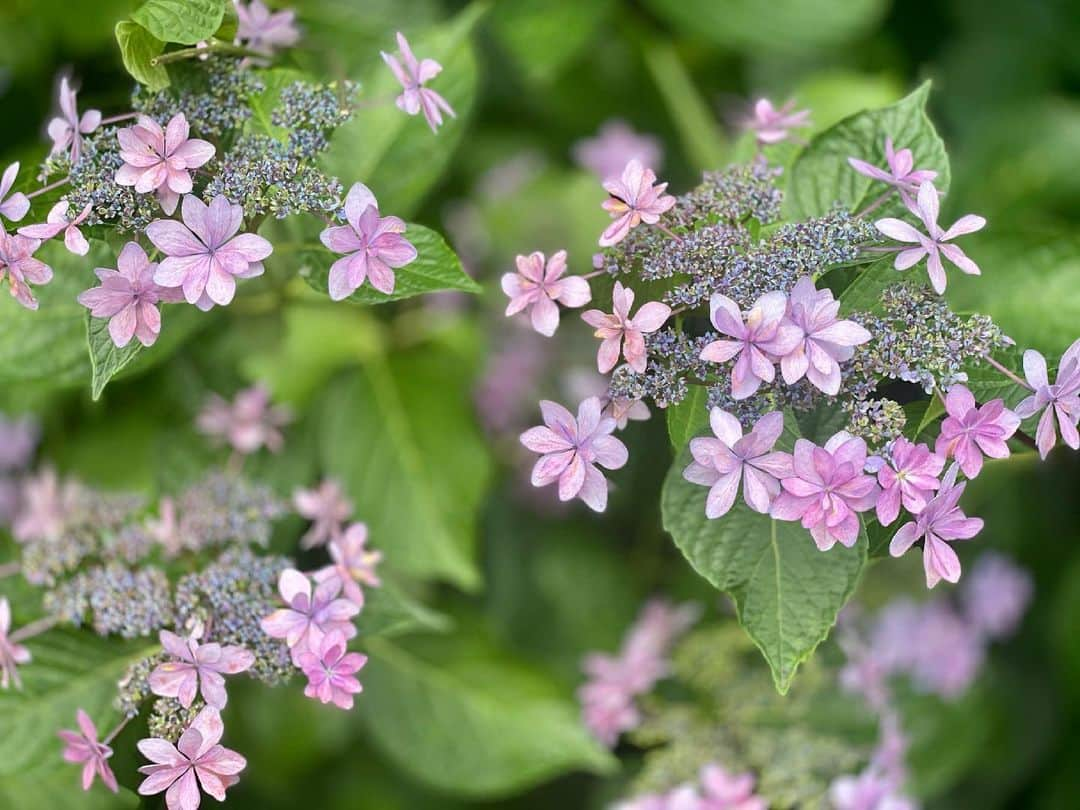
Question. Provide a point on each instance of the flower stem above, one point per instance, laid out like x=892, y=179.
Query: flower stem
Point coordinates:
x=10, y=569
x=48, y=188
x=665, y=229
x=880, y=201
x=1007, y=372
x=116, y=119
x=119, y=727
x=593, y=274
x=196, y=51
x=35, y=628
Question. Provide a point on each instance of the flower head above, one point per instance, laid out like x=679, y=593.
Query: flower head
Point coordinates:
x=263, y=30
x=571, y=450
x=771, y=124
x=869, y=790
x=161, y=160
x=331, y=671
x=67, y=129
x=970, y=432
x=372, y=245
x=47, y=503
x=909, y=477
x=197, y=760
x=197, y=668
x=309, y=616
x=353, y=563
x=248, y=423
x=936, y=242
x=996, y=594
x=625, y=410
x=82, y=747
x=20, y=269
x=616, y=144
x=204, y=255
x=326, y=507
x=901, y=175
x=634, y=199
x=12, y=654
x=17, y=205
x=1060, y=400
x=723, y=790
x=537, y=286
x=620, y=333
x=18, y=438
x=57, y=221
x=413, y=75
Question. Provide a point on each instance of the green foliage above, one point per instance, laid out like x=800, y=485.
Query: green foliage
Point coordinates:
x=390, y=612
x=688, y=418
x=544, y=37
x=186, y=22
x=138, y=49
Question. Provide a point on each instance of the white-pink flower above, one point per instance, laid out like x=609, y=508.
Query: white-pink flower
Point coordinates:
x=326, y=507
x=624, y=410
x=263, y=30
x=309, y=616
x=17, y=205
x=331, y=672
x=1060, y=401
x=616, y=144
x=353, y=563
x=67, y=129
x=161, y=160
x=56, y=221
x=12, y=654
x=248, y=423
x=20, y=269
x=82, y=747
x=537, y=287
x=634, y=199
x=413, y=75
x=620, y=333
x=771, y=124
x=901, y=175
x=197, y=668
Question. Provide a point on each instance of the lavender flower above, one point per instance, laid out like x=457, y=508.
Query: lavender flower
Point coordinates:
x=996, y=594
x=353, y=563
x=901, y=175
x=248, y=423
x=413, y=75
x=263, y=30
x=538, y=287
x=772, y=125
x=634, y=199
x=309, y=616
x=67, y=129
x=620, y=333
x=161, y=160
x=1060, y=400
x=909, y=477
x=970, y=432
x=16, y=206
x=616, y=144
x=197, y=668
x=723, y=790
x=56, y=222
x=12, y=654
x=330, y=672
x=83, y=748
x=326, y=507
x=19, y=267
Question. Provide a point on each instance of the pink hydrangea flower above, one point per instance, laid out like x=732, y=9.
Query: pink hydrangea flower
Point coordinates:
x=67, y=129
x=18, y=439
x=82, y=747
x=198, y=668
x=571, y=450
x=624, y=410
x=772, y=125
x=827, y=488
x=57, y=221
x=826, y=341
x=910, y=477
x=901, y=175
x=996, y=594
x=20, y=269
x=722, y=462
x=309, y=616
x=757, y=343
x=47, y=503
x=353, y=563
x=1060, y=400
x=607, y=711
x=12, y=654
x=537, y=287
x=161, y=160
x=413, y=75
x=723, y=790
x=165, y=528
x=248, y=423
x=196, y=760
x=331, y=672
x=867, y=791
x=616, y=144
x=16, y=206
x=620, y=333
x=129, y=297
x=204, y=255
x=940, y=522
x=263, y=30
x=372, y=245
x=326, y=507
x=634, y=199
x=936, y=242
x=970, y=432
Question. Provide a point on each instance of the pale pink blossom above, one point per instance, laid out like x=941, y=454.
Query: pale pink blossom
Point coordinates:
x=263, y=30
x=625, y=410
x=936, y=242
x=57, y=221
x=996, y=594
x=373, y=245
x=46, y=505
x=12, y=654
x=353, y=563
x=634, y=199
x=331, y=672
x=869, y=790
x=538, y=287
x=18, y=439
x=197, y=668
x=721, y=463
x=16, y=206
x=571, y=450
x=970, y=432
x=206, y=253
x=83, y=748
x=758, y=343
x=616, y=144
x=326, y=507
x=129, y=297
x=67, y=129
x=161, y=160
x=771, y=124
x=248, y=423
x=724, y=790
x=1060, y=401
x=197, y=760
x=413, y=75
x=909, y=477
x=623, y=334
x=309, y=615
x=165, y=528
x=607, y=711
x=20, y=269
x=901, y=174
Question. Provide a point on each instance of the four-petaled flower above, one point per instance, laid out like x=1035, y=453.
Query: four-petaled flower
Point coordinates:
x=537, y=287
x=909, y=477
x=721, y=462
x=247, y=423
x=196, y=760
x=970, y=432
x=57, y=221
x=634, y=199
x=571, y=448
x=16, y=206
x=82, y=747
x=326, y=507
x=827, y=487
x=940, y=522
x=263, y=30
x=902, y=174
x=12, y=654
x=771, y=125
x=161, y=160
x=1061, y=400
x=67, y=129
x=309, y=616
x=413, y=75
x=723, y=790
x=936, y=242
x=198, y=668
x=19, y=267
x=204, y=255
x=330, y=672
x=372, y=245
x=621, y=333
x=353, y=563
x=765, y=336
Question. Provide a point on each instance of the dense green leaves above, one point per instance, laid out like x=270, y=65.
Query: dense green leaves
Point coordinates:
x=543, y=37
x=138, y=49
x=186, y=22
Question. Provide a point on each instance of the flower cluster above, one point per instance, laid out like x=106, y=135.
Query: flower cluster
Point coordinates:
x=717, y=789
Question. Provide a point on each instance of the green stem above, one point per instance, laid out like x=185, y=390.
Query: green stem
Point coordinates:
x=214, y=46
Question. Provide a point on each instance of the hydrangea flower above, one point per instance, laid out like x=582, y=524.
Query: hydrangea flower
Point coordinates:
x=326, y=507
x=607, y=710
x=161, y=160
x=940, y=522
x=263, y=30
x=827, y=488
x=413, y=75
x=936, y=242
x=16, y=206
x=624, y=410
x=537, y=287
x=620, y=333
x=722, y=462
x=970, y=432
x=248, y=423
x=12, y=654
x=46, y=505
x=826, y=341
x=57, y=221
x=331, y=672
x=18, y=438
x=996, y=594
x=353, y=563
x=771, y=124
x=634, y=199
x=82, y=747
x=1060, y=400
x=372, y=245
x=198, y=668
x=67, y=129
x=723, y=790
x=901, y=175
x=766, y=335
x=129, y=297
x=197, y=760
x=867, y=791
x=309, y=616
x=571, y=450
x=616, y=144
x=20, y=269
x=909, y=477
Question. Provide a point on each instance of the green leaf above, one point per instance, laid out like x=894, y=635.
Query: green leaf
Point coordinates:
x=60, y=787
x=436, y=268
x=186, y=22
x=863, y=294
x=262, y=105
x=822, y=176
x=390, y=612
x=688, y=418
x=466, y=720
x=138, y=49
x=544, y=37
